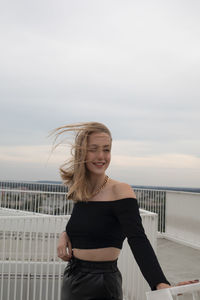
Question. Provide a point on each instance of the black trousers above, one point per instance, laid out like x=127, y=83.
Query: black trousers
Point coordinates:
x=91, y=280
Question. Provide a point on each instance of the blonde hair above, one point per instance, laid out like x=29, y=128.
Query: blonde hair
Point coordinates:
x=74, y=172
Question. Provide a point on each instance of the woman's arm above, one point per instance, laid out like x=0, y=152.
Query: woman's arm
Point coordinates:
x=130, y=220
x=127, y=212
x=64, y=247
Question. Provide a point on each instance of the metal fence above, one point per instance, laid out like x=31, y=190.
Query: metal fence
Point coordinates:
x=52, y=203
x=154, y=201
x=30, y=268
x=56, y=203
x=33, y=186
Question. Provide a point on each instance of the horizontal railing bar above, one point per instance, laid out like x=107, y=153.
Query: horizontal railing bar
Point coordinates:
x=32, y=192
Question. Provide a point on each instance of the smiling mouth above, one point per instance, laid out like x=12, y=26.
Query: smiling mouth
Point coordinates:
x=99, y=164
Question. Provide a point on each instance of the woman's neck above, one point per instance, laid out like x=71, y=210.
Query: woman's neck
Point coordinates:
x=96, y=181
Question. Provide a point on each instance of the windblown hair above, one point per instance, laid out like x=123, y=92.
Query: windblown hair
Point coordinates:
x=74, y=172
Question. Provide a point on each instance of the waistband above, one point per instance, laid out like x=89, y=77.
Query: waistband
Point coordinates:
x=93, y=267
x=94, y=264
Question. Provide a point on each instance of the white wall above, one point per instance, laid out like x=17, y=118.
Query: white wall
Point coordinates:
x=183, y=218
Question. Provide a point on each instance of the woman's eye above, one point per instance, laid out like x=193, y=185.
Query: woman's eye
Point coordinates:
x=94, y=150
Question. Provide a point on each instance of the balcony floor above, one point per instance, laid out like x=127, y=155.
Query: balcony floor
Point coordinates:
x=179, y=262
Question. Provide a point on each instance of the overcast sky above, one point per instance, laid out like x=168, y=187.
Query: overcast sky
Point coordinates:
x=133, y=65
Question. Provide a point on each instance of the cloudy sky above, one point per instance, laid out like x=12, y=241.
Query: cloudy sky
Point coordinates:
x=133, y=65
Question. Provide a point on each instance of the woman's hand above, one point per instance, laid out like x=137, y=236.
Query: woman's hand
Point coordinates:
x=64, y=247
x=166, y=286
x=187, y=282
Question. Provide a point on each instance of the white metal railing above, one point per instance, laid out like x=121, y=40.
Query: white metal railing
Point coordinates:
x=178, y=212
x=36, y=201
x=154, y=201
x=56, y=203
x=30, y=268
x=14, y=212
x=33, y=186
x=186, y=292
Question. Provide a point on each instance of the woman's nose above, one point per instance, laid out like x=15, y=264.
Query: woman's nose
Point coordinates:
x=100, y=154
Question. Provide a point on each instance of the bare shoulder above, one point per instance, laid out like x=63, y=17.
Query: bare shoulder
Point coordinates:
x=122, y=190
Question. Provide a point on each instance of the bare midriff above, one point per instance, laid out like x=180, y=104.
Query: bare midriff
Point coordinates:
x=100, y=254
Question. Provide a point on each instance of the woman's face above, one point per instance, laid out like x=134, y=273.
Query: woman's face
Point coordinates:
x=98, y=153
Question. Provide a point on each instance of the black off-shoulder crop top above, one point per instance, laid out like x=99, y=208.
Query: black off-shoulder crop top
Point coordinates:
x=100, y=224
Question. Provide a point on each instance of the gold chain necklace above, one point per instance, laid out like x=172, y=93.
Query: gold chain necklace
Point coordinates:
x=101, y=187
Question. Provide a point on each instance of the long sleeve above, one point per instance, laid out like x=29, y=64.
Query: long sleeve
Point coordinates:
x=127, y=213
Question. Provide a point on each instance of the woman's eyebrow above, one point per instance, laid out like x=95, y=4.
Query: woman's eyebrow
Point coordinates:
x=94, y=145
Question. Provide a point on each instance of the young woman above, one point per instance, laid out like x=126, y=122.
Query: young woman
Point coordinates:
x=105, y=213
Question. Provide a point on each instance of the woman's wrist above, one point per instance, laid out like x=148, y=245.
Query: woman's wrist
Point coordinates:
x=162, y=285
x=63, y=235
